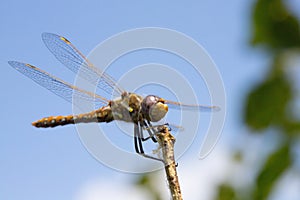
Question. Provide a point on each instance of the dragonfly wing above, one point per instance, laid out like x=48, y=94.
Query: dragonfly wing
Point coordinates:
x=56, y=85
x=72, y=58
x=204, y=108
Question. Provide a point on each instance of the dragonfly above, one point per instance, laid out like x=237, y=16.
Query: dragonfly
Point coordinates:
x=142, y=112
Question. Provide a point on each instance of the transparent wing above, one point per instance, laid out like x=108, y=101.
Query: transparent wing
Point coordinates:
x=192, y=107
x=56, y=85
x=72, y=58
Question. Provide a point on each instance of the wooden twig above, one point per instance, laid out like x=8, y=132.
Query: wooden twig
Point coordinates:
x=166, y=142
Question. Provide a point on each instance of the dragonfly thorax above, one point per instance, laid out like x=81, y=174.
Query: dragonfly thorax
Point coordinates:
x=154, y=108
x=127, y=108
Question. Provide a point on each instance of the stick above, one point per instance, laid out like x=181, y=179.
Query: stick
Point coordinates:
x=166, y=142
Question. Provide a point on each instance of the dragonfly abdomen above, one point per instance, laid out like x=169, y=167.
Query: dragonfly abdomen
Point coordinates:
x=53, y=121
x=103, y=114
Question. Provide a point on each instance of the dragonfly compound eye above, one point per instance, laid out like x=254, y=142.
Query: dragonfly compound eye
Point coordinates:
x=154, y=108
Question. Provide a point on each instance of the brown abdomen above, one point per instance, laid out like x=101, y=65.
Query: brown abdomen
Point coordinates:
x=103, y=114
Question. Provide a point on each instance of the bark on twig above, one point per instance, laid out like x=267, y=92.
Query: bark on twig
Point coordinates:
x=166, y=142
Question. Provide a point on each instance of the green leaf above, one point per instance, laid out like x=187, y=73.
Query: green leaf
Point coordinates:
x=277, y=163
x=267, y=102
x=274, y=26
x=146, y=182
x=225, y=192
x=291, y=127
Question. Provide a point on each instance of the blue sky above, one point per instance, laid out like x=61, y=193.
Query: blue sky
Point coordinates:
x=53, y=164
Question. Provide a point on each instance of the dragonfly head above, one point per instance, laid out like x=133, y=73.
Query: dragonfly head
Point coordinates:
x=154, y=108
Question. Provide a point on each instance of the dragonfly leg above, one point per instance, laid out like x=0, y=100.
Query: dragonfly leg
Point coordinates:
x=137, y=140
x=150, y=130
x=138, y=143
